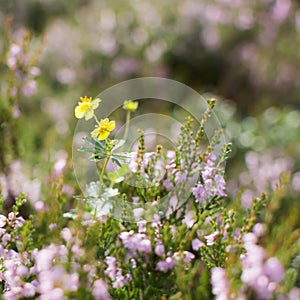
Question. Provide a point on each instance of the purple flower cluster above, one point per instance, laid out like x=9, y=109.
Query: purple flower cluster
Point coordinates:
x=16, y=181
x=220, y=284
x=50, y=273
x=19, y=62
x=164, y=169
x=260, y=273
x=53, y=279
x=213, y=183
x=264, y=172
x=165, y=265
x=171, y=261
x=114, y=273
x=136, y=242
x=15, y=267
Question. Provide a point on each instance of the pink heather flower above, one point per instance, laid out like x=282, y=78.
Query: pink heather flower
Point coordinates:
x=13, y=53
x=34, y=71
x=11, y=216
x=159, y=250
x=2, y=221
x=66, y=234
x=16, y=111
x=184, y=256
x=111, y=269
x=100, y=290
x=145, y=246
x=294, y=294
x=40, y=206
x=29, y=88
x=165, y=265
x=28, y=290
x=59, y=166
x=188, y=257
x=249, y=238
x=274, y=269
x=180, y=177
x=48, y=278
x=6, y=238
x=22, y=271
x=136, y=242
x=255, y=255
x=262, y=276
x=135, y=200
x=211, y=239
x=220, y=185
x=52, y=226
x=219, y=282
x=43, y=259
x=200, y=193
x=71, y=282
x=133, y=165
x=141, y=226
x=189, y=218
x=120, y=280
x=138, y=212
x=259, y=229
x=76, y=250
x=197, y=244
x=168, y=184
x=54, y=294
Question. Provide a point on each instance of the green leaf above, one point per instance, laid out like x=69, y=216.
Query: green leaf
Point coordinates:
x=118, y=175
x=122, y=158
x=93, y=145
x=101, y=204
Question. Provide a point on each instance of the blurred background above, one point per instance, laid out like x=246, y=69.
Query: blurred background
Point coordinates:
x=244, y=52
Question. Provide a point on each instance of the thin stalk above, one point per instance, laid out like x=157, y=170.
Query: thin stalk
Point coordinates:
x=101, y=175
x=96, y=119
x=127, y=125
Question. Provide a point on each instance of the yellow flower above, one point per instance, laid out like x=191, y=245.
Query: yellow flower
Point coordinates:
x=130, y=105
x=86, y=107
x=103, y=129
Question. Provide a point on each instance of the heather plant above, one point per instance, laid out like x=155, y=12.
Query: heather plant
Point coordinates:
x=19, y=72
x=157, y=226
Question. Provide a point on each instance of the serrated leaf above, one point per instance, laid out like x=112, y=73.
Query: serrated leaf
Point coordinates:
x=122, y=157
x=93, y=145
x=101, y=204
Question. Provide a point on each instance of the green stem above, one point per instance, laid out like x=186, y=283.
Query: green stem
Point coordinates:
x=102, y=174
x=127, y=125
x=96, y=119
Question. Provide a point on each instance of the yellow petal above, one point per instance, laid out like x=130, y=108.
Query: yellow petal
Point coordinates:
x=89, y=113
x=95, y=103
x=79, y=112
x=86, y=99
x=103, y=135
x=104, y=122
x=111, y=125
x=95, y=133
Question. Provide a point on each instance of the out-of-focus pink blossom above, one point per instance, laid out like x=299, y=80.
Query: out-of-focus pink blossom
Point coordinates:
x=220, y=284
x=100, y=290
x=159, y=250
